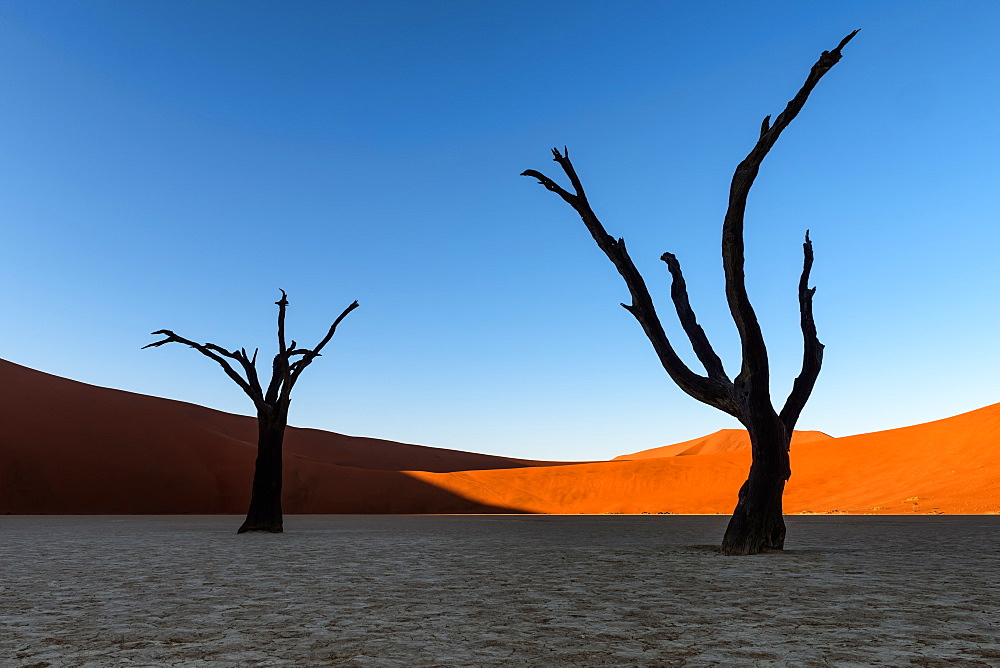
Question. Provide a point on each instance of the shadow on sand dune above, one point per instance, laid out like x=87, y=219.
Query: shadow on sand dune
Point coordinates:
x=73, y=448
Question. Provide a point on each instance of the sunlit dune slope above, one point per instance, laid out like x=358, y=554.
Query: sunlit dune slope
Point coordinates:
x=68, y=447
x=724, y=440
x=947, y=466
x=669, y=484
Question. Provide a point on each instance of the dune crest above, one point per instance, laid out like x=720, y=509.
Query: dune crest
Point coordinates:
x=724, y=440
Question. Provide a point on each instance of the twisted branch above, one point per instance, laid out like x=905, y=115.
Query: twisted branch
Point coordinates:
x=755, y=375
x=214, y=352
x=712, y=391
x=812, y=349
x=309, y=355
x=699, y=341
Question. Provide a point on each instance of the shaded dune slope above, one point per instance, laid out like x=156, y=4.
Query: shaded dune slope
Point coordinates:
x=68, y=447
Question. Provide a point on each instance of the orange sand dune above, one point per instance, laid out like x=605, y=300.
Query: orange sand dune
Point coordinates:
x=68, y=447
x=724, y=440
x=947, y=466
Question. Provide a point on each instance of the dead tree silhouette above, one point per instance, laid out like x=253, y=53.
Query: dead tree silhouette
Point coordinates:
x=272, y=409
x=757, y=524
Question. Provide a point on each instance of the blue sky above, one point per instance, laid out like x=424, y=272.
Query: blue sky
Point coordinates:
x=172, y=164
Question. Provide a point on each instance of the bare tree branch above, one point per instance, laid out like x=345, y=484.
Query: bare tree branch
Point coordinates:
x=707, y=390
x=282, y=348
x=282, y=304
x=280, y=373
x=812, y=349
x=212, y=351
x=333, y=328
x=755, y=374
x=551, y=185
x=765, y=125
x=309, y=355
x=277, y=378
x=699, y=341
x=250, y=369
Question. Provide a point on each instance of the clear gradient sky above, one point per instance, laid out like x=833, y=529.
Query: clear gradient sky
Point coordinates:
x=172, y=163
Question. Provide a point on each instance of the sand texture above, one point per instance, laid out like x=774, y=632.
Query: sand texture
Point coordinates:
x=69, y=447
x=496, y=591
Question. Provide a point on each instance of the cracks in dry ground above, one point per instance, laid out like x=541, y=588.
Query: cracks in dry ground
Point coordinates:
x=496, y=591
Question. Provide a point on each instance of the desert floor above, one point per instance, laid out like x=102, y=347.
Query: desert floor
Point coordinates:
x=496, y=591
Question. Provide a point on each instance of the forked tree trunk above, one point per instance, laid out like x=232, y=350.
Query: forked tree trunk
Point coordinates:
x=757, y=524
x=265, y=499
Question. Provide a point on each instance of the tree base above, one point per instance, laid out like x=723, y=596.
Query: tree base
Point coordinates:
x=743, y=543
x=757, y=524
x=260, y=529
x=746, y=548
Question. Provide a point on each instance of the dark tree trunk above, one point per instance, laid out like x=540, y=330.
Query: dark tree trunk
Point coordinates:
x=757, y=524
x=265, y=500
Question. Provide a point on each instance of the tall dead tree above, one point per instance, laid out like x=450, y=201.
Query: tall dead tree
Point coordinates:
x=272, y=409
x=757, y=524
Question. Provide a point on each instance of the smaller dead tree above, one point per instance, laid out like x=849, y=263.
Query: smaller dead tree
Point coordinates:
x=272, y=408
x=757, y=524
